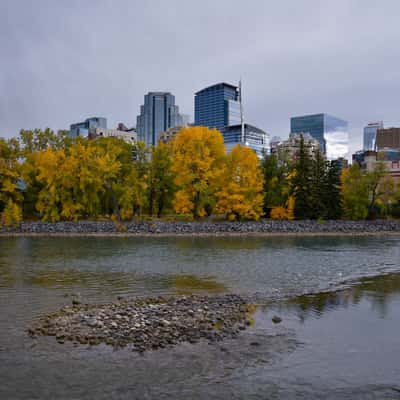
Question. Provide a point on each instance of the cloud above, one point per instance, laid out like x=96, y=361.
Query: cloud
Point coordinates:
x=64, y=61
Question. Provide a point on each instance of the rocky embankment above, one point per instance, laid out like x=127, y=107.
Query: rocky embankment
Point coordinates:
x=204, y=228
x=151, y=323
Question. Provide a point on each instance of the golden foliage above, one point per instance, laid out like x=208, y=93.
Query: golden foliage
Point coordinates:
x=199, y=155
x=284, y=212
x=133, y=196
x=242, y=194
x=72, y=180
x=9, y=172
x=11, y=215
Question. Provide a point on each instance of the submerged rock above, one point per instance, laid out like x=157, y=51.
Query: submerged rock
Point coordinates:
x=276, y=319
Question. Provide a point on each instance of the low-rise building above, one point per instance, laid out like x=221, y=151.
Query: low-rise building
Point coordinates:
x=169, y=134
x=367, y=160
x=288, y=150
x=130, y=136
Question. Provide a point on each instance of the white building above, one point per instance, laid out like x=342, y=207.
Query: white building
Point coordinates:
x=129, y=136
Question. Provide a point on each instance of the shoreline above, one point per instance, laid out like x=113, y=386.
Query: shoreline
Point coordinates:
x=198, y=234
x=159, y=228
x=263, y=228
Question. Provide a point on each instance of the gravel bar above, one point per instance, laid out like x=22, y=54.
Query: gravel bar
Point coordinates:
x=149, y=323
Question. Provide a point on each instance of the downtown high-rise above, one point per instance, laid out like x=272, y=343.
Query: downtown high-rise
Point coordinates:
x=157, y=114
x=370, y=131
x=217, y=106
x=331, y=132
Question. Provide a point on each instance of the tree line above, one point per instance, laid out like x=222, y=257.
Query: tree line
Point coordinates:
x=48, y=176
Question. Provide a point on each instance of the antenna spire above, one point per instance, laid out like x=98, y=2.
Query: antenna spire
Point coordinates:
x=241, y=111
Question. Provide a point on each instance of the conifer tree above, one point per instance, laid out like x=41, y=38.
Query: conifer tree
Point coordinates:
x=332, y=196
x=319, y=187
x=302, y=185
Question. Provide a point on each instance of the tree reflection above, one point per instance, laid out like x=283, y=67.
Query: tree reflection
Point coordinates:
x=377, y=290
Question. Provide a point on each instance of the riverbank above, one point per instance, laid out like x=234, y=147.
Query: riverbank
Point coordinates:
x=167, y=228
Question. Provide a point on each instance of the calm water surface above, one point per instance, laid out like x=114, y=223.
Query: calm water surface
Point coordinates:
x=340, y=344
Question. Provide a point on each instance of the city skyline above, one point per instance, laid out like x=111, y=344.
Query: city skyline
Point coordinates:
x=292, y=60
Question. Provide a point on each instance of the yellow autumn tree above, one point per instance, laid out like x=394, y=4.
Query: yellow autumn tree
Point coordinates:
x=286, y=212
x=10, y=170
x=133, y=196
x=242, y=194
x=198, y=165
x=42, y=171
x=72, y=182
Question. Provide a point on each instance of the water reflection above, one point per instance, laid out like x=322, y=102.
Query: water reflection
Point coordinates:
x=378, y=290
x=187, y=284
x=36, y=273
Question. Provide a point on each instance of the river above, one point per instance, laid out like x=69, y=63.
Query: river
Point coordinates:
x=338, y=297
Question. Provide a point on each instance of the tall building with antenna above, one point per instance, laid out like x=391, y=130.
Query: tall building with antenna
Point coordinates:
x=220, y=106
x=217, y=106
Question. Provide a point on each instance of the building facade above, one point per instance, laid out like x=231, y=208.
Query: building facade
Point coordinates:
x=254, y=137
x=217, y=106
x=369, y=138
x=157, y=114
x=169, y=134
x=388, y=138
x=288, y=151
x=368, y=160
x=331, y=132
x=130, y=136
x=83, y=129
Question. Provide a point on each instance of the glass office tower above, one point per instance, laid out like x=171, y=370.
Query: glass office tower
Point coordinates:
x=217, y=106
x=83, y=129
x=370, y=132
x=331, y=132
x=254, y=137
x=157, y=114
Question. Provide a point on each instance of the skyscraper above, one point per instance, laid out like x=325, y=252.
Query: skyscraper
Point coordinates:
x=217, y=106
x=370, y=132
x=157, y=114
x=331, y=132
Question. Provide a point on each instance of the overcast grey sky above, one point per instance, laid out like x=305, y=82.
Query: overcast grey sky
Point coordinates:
x=64, y=60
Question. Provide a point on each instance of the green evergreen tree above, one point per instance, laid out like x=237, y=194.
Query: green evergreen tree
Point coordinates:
x=319, y=186
x=332, y=194
x=302, y=185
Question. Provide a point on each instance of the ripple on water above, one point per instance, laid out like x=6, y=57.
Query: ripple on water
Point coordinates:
x=37, y=273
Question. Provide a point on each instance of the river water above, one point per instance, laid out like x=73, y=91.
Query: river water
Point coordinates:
x=338, y=297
